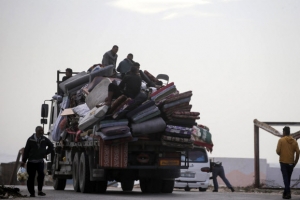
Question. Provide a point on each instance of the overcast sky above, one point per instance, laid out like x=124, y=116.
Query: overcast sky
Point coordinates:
x=239, y=57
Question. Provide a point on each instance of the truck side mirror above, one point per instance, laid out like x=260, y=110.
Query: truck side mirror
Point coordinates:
x=43, y=121
x=44, y=111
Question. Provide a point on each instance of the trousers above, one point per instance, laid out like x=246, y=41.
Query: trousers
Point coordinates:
x=286, y=170
x=32, y=168
x=219, y=171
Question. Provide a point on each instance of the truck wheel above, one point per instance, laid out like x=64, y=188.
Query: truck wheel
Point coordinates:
x=202, y=189
x=75, y=172
x=151, y=185
x=100, y=186
x=59, y=184
x=127, y=185
x=84, y=174
x=167, y=186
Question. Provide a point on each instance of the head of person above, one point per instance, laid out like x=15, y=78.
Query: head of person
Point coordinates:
x=135, y=68
x=39, y=131
x=136, y=65
x=69, y=72
x=286, y=131
x=130, y=56
x=115, y=49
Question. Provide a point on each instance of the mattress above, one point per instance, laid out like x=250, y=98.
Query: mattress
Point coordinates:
x=144, y=106
x=149, y=116
x=81, y=110
x=154, y=125
x=115, y=130
x=95, y=115
x=110, y=123
x=112, y=137
x=83, y=78
x=98, y=94
x=202, y=134
x=177, y=102
x=55, y=133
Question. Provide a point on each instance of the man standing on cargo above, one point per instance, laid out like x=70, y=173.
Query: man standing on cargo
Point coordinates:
x=36, y=149
x=286, y=148
x=110, y=57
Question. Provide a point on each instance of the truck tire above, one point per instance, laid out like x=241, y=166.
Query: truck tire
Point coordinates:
x=202, y=189
x=59, y=184
x=127, y=185
x=75, y=172
x=100, y=186
x=151, y=185
x=167, y=186
x=84, y=174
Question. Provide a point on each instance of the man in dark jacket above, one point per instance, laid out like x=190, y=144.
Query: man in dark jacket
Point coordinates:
x=36, y=149
x=130, y=86
x=125, y=65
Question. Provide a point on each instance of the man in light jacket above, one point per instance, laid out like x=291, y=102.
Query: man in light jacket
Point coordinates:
x=288, y=151
x=110, y=57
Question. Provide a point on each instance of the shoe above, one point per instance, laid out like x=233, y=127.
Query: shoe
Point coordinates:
x=32, y=195
x=215, y=190
x=232, y=190
x=288, y=196
x=40, y=193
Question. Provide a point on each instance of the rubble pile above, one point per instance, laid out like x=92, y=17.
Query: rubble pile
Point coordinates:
x=10, y=192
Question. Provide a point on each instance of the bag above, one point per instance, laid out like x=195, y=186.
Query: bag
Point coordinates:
x=22, y=174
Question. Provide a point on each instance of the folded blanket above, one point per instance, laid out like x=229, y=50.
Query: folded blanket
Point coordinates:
x=201, y=134
x=171, y=88
x=145, y=105
x=110, y=123
x=186, y=113
x=179, y=96
x=163, y=95
x=185, y=116
x=154, y=125
x=162, y=89
x=147, y=117
x=144, y=112
x=176, y=139
x=182, y=122
x=115, y=130
x=177, y=108
x=112, y=137
x=116, y=103
x=177, y=102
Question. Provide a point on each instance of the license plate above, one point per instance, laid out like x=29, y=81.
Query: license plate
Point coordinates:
x=188, y=175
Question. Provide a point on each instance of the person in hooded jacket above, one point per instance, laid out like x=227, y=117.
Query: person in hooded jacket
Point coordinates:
x=110, y=57
x=288, y=151
x=36, y=149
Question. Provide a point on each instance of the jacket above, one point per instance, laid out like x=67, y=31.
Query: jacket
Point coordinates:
x=109, y=59
x=36, y=149
x=131, y=85
x=286, y=148
x=125, y=66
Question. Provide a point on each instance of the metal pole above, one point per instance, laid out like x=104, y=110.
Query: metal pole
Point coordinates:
x=256, y=157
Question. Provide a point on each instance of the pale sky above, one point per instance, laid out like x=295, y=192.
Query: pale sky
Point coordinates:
x=239, y=57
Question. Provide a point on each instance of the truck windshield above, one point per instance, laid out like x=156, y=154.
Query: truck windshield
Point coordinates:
x=196, y=156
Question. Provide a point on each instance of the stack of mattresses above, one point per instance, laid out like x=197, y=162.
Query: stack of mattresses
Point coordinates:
x=177, y=136
x=93, y=116
x=163, y=92
x=202, y=137
x=114, y=131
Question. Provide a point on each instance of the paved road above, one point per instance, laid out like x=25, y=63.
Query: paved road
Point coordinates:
x=117, y=194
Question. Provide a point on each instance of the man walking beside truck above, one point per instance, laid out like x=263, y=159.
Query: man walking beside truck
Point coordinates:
x=287, y=147
x=36, y=149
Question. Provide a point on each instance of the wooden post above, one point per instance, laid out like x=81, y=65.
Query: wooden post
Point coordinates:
x=256, y=157
x=13, y=175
